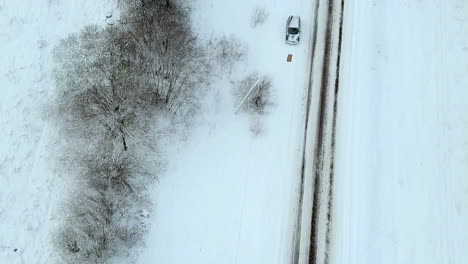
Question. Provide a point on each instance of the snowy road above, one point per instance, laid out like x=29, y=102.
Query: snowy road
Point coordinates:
x=401, y=185
x=318, y=170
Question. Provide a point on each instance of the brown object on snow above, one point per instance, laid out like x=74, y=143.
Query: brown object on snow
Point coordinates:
x=289, y=59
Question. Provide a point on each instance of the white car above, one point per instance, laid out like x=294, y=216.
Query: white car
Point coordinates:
x=293, y=29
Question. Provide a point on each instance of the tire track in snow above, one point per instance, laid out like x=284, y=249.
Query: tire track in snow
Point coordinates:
x=319, y=146
x=298, y=230
x=333, y=137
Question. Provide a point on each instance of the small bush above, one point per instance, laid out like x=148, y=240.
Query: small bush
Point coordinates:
x=260, y=98
x=227, y=50
x=42, y=43
x=259, y=16
x=256, y=126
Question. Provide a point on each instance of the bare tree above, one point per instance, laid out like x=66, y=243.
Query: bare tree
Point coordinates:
x=260, y=98
x=227, y=50
x=103, y=213
x=97, y=85
x=172, y=60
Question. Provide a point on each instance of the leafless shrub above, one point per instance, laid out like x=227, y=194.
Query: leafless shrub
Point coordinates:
x=42, y=43
x=227, y=50
x=256, y=125
x=260, y=97
x=259, y=16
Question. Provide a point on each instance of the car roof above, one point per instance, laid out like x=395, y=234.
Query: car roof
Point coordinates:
x=295, y=22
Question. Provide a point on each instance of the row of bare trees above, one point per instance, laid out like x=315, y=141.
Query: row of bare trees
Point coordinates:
x=112, y=84
x=173, y=61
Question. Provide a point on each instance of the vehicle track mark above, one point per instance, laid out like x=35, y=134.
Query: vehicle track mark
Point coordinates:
x=333, y=136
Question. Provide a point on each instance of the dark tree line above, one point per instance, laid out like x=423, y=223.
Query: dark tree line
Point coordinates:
x=111, y=84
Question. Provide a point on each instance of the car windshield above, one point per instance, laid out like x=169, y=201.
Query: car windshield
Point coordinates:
x=293, y=31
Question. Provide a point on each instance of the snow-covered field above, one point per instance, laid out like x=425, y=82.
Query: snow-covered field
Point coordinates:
x=401, y=193
x=228, y=196
x=29, y=190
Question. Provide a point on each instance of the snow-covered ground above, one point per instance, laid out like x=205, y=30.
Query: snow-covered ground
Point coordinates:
x=229, y=196
x=401, y=193
x=29, y=190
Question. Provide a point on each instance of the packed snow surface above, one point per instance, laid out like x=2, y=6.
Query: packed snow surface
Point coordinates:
x=401, y=185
